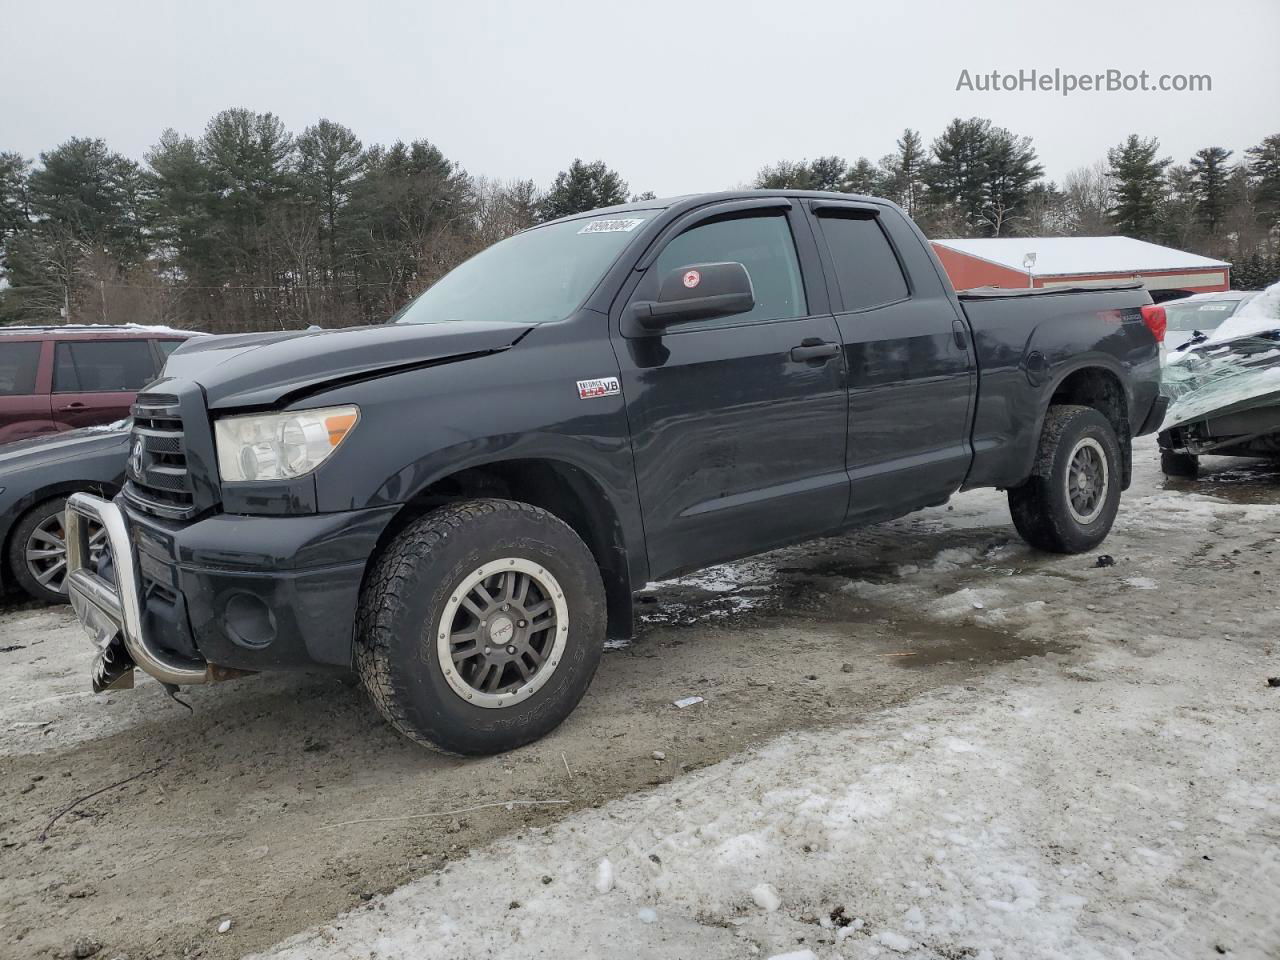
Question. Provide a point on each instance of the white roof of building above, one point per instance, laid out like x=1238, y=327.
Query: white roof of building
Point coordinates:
x=1068, y=256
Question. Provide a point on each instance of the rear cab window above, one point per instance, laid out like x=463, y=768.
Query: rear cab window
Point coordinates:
x=19, y=363
x=102, y=366
x=866, y=268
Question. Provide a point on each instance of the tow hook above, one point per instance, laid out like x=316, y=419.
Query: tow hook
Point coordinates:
x=113, y=667
x=172, y=690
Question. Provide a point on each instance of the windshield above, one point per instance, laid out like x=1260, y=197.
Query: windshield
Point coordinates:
x=541, y=275
x=1199, y=315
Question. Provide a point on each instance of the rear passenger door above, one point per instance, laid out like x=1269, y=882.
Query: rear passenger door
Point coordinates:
x=737, y=423
x=95, y=381
x=24, y=389
x=909, y=364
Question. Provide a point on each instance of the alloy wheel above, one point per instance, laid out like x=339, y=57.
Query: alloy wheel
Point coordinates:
x=46, y=551
x=502, y=632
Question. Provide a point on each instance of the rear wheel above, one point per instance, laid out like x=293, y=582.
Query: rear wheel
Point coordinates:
x=38, y=550
x=481, y=627
x=1179, y=464
x=1070, y=501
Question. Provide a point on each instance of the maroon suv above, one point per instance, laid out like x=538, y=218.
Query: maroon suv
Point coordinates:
x=61, y=378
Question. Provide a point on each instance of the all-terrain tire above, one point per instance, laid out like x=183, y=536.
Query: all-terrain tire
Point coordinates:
x=18, y=542
x=408, y=594
x=1185, y=465
x=1042, y=507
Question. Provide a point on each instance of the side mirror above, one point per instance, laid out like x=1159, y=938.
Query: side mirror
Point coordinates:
x=696, y=292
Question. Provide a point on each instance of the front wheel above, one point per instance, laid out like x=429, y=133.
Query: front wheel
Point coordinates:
x=481, y=626
x=1070, y=501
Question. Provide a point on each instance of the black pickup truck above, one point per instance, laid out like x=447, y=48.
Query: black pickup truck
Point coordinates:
x=460, y=503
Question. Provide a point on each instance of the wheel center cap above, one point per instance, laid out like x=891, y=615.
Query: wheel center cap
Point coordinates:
x=501, y=630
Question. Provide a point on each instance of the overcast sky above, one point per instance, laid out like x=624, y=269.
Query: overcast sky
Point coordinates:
x=678, y=97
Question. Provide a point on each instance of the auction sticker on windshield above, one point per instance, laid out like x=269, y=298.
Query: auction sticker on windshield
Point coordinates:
x=612, y=226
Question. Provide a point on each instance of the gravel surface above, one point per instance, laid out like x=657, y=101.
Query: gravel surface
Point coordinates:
x=898, y=649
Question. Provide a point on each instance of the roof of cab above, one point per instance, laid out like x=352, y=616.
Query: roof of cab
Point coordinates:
x=691, y=200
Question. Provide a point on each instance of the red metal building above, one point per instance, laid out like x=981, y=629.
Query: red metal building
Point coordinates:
x=1079, y=262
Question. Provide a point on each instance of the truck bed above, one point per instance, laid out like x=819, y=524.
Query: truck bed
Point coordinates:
x=1029, y=343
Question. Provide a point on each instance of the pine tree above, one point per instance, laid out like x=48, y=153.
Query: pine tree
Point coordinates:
x=1264, y=167
x=15, y=214
x=93, y=194
x=863, y=177
x=1137, y=187
x=179, y=197
x=1209, y=173
x=828, y=173
x=825, y=173
x=1011, y=170
x=411, y=219
x=906, y=184
x=330, y=160
x=1243, y=226
x=783, y=175
x=249, y=157
x=956, y=176
x=584, y=186
x=1181, y=218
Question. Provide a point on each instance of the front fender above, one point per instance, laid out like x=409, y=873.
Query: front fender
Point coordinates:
x=418, y=427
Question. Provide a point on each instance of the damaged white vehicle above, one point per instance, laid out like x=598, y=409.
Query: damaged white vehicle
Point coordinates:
x=1223, y=390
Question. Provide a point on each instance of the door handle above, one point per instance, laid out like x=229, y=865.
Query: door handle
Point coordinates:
x=75, y=405
x=961, y=334
x=812, y=348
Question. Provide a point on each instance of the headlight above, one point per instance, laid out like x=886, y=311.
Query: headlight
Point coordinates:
x=280, y=446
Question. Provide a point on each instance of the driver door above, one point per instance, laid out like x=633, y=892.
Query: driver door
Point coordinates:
x=738, y=423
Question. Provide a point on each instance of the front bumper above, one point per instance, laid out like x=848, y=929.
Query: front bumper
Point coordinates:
x=199, y=602
x=109, y=610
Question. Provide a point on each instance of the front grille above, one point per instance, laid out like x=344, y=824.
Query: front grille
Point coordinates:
x=157, y=470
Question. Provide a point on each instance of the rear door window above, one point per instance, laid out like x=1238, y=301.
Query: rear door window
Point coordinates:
x=102, y=366
x=867, y=270
x=18, y=363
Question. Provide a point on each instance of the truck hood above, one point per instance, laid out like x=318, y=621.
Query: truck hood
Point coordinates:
x=263, y=369
x=55, y=447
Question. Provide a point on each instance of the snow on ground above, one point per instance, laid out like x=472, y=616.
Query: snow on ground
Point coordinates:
x=66, y=711
x=1121, y=800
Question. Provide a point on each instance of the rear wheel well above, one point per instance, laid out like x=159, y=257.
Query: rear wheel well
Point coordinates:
x=560, y=489
x=1101, y=389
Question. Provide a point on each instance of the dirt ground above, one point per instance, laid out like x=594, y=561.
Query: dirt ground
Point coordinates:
x=243, y=809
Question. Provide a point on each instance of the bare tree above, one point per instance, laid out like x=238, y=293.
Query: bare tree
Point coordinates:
x=1045, y=213
x=503, y=208
x=1088, y=198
